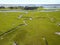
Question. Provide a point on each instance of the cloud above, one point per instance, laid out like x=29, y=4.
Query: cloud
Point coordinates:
x=30, y=2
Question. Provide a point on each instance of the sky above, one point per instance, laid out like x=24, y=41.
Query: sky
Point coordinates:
x=29, y=1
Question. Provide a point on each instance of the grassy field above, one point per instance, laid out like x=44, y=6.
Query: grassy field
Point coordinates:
x=29, y=28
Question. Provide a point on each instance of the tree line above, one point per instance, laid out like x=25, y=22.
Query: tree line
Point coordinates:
x=21, y=7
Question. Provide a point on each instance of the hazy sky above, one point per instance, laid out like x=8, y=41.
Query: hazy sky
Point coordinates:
x=29, y=1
